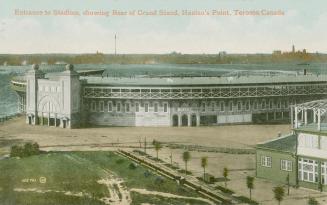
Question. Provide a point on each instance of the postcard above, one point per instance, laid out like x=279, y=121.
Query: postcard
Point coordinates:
x=138, y=102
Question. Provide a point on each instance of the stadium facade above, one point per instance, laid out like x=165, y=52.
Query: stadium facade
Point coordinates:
x=67, y=99
x=299, y=158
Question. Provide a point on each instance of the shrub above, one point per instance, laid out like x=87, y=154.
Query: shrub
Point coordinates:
x=132, y=166
x=27, y=150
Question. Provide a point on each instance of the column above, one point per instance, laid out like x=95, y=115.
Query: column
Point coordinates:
x=319, y=120
x=282, y=115
x=55, y=120
x=314, y=116
x=179, y=120
x=267, y=116
x=197, y=120
x=305, y=117
x=274, y=115
x=189, y=120
x=296, y=120
x=302, y=115
x=292, y=117
x=48, y=119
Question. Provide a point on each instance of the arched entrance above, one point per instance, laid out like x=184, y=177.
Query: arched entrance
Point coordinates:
x=193, y=120
x=175, y=120
x=184, y=120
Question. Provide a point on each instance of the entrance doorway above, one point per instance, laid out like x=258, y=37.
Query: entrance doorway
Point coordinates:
x=184, y=120
x=193, y=120
x=175, y=120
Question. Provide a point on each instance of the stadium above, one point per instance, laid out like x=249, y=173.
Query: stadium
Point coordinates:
x=71, y=99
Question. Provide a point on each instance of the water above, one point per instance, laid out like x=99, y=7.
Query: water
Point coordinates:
x=8, y=98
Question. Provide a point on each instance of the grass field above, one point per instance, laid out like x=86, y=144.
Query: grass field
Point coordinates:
x=84, y=178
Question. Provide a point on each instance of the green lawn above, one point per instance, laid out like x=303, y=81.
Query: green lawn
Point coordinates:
x=79, y=172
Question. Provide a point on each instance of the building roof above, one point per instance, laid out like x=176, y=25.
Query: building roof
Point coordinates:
x=318, y=104
x=285, y=143
x=182, y=81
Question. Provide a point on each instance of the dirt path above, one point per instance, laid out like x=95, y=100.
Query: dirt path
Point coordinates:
x=169, y=195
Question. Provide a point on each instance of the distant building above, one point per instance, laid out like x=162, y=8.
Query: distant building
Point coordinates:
x=301, y=155
x=293, y=49
x=277, y=52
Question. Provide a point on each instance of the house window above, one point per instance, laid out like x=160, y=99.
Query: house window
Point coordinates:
x=127, y=107
x=222, y=106
x=137, y=107
x=286, y=165
x=93, y=106
x=156, y=107
x=265, y=161
x=101, y=106
x=146, y=107
x=109, y=106
x=165, y=107
x=118, y=107
x=308, y=170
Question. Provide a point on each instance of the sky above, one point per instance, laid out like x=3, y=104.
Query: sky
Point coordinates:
x=303, y=24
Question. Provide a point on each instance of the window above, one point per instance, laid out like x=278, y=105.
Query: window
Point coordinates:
x=308, y=170
x=155, y=107
x=203, y=107
x=127, y=107
x=271, y=104
x=165, y=107
x=212, y=106
x=263, y=104
x=101, y=106
x=230, y=106
x=222, y=106
x=247, y=105
x=255, y=105
x=109, y=106
x=118, y=107
x=286, y=165
x=265, y=161
x=93, y=106
x=239, y=106
x=146, y=107
x=137, y=107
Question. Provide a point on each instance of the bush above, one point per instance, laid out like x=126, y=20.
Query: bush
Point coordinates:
x=132, y=166
x=27, y=150
x=119, y=161
x=247, y=200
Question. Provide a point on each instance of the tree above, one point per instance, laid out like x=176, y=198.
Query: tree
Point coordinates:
x=225, y=174
x=157, y=147
x=279, y=193
x=250, y=184
x=204, y=164
x=186, y=158
x=312, y=201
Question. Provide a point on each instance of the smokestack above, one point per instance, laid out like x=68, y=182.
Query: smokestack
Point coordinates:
x=115, y=45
